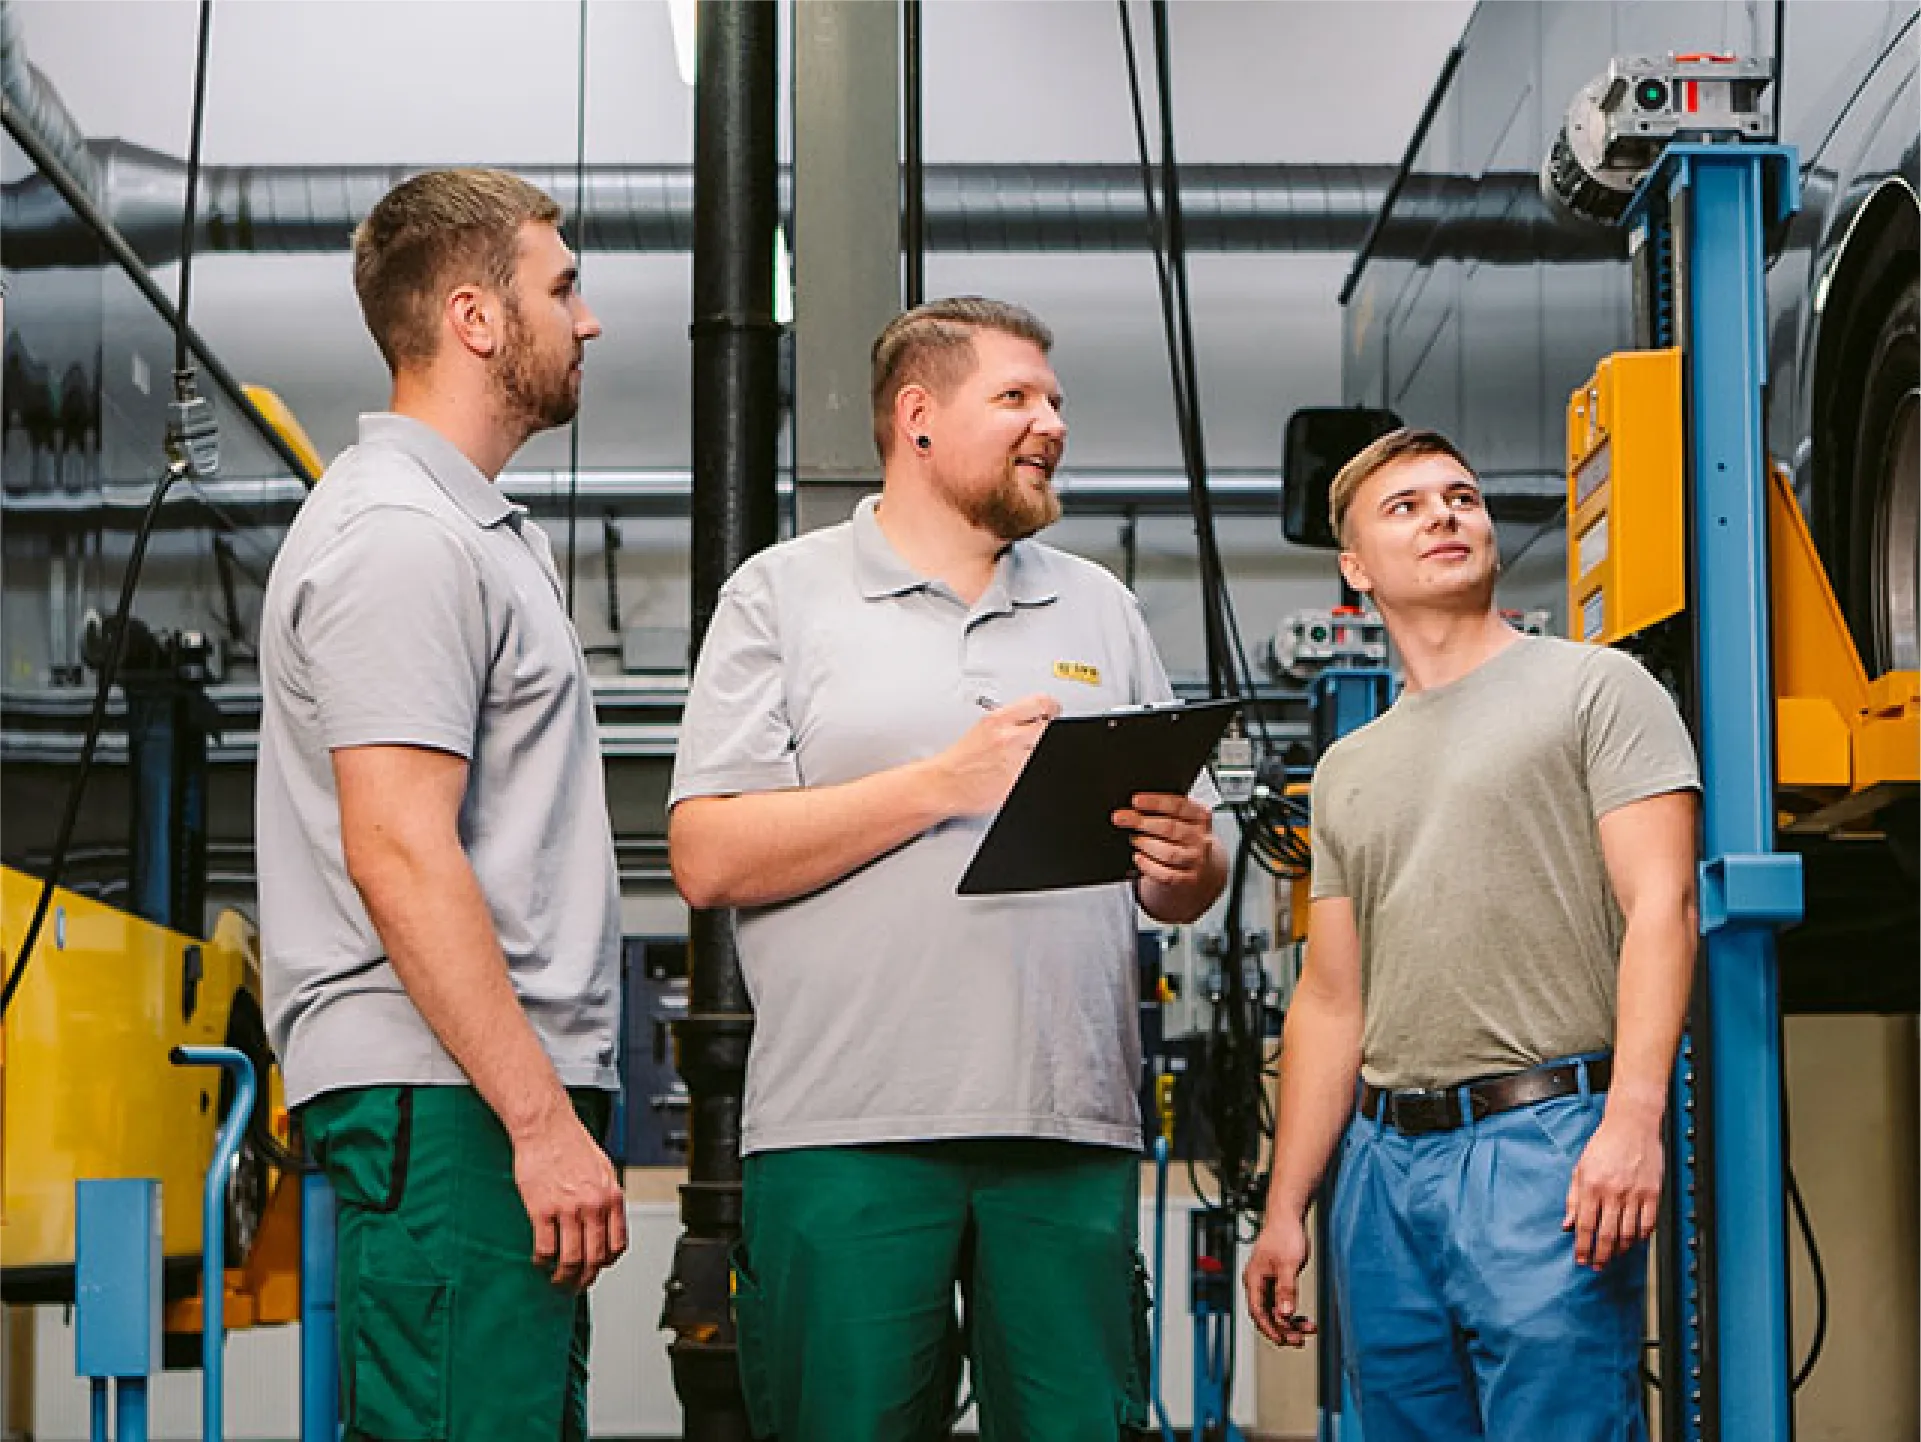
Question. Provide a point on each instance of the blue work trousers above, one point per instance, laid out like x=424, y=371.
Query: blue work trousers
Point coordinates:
x=1463, y=1313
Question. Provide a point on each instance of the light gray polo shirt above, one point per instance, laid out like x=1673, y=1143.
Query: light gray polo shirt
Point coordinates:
x=413, y=605
x=888, y=1008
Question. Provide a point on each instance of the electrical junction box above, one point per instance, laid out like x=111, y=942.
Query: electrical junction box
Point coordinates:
x=1626, y=548
x=117, y=1278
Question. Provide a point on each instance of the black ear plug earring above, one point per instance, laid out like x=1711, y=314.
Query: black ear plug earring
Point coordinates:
x=923, y=442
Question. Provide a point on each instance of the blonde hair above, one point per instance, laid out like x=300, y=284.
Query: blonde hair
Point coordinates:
x=932, y=345
x=1399, y=445
x=440, y=229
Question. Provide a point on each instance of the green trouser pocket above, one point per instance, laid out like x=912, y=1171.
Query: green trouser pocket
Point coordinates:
x=398, y=1388
x=363, y=1138
x=751, y=1347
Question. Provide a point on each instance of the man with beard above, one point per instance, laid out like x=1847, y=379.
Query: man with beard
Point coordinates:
x=439, y=904
x=1499, y=957
x=941, y=1088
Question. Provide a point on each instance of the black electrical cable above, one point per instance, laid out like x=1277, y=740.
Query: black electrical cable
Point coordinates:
x=180, y=354
x=1820, y=1337
x=580, y=254
x=116, y=649
x=1780, y=58
x=117, y=636
x=1184, y=421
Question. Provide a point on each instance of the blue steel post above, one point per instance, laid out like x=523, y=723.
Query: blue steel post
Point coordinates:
x=1345, y=698
x=1720, y=199
x=117, y=1287
x=130, y=1409
x=213, y=1229
x=319, y=1334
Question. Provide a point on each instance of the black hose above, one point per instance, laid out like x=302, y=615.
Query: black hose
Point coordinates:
x=180, y=357
x=116, y=649
x=130, y=581
x=1820, y=1337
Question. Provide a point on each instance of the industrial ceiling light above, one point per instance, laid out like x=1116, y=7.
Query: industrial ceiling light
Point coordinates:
x=684, y=16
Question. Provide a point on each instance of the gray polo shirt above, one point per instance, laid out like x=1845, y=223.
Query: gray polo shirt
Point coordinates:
x=413, y=605
x=887, y=1007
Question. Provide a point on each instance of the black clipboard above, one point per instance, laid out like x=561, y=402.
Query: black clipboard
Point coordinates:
x=1056, y=829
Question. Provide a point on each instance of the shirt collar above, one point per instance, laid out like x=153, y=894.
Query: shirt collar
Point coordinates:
x=1021, y=576
x=459, y=477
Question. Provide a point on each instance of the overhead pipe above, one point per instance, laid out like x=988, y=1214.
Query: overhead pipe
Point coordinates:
x=41, y=109
x=1277, y=208
x=736, y=420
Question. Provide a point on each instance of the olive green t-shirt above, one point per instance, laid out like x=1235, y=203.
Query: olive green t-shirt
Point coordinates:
x=1463, y=825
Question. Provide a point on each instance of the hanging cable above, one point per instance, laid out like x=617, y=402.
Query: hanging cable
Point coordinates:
x=181, y=358
x=192, y=450
x=580, y=257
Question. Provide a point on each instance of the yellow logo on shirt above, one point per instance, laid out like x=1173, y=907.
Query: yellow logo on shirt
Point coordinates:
x=1079, y=671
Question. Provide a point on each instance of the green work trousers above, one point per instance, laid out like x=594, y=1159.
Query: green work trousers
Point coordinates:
x=845, y=1289
x=448, y=1330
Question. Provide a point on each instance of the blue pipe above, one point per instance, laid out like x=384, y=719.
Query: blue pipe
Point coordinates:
x=319, y=1340
x=98, y=1429
x=1160, y=1285
x=130, y=1398
x=213, y=1230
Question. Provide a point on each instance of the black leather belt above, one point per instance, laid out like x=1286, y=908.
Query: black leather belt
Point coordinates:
x=1419, y=1112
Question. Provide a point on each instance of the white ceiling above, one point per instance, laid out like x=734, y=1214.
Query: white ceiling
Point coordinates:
x=336, y=81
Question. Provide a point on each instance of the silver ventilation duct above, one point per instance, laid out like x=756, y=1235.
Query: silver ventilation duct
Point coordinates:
x=38, y=106
x=974, y=208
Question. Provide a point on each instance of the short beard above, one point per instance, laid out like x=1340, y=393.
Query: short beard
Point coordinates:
x=1011, y=511
x=534, y=399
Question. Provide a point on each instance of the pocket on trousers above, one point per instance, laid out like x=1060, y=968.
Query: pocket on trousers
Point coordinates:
x=363, y=1139
x=1567, y=1123
x=397, y=1380
x=1135, y=1401
x=752, y=1327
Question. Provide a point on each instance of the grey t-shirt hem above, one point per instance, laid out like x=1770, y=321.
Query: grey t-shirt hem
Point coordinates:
x=322, y=1056
x=871, y=1131
x=587, y=1076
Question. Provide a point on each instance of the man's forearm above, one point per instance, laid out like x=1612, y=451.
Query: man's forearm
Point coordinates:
x=1655, y=978
x=763, y=847
x=1320, y=1062
x=428, y=908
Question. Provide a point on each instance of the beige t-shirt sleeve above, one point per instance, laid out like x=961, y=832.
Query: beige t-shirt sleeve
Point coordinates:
x=1633, y=742
x=1329, y=876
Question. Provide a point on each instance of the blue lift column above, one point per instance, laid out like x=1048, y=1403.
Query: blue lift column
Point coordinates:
x=1345, y=698
x=1709, y=207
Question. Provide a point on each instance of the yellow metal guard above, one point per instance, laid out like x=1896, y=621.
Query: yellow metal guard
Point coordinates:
x=1626, y=550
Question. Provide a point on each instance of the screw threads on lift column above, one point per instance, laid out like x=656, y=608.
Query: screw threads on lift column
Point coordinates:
x=735, y=429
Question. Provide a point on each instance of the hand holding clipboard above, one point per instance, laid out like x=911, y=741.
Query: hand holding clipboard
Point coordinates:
x=1056, y=828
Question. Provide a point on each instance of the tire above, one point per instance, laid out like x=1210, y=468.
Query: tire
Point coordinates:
x=1883, y=580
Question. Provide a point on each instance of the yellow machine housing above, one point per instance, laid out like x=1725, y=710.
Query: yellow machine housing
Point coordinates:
x=1845, y=745
x=88, y=1089
x=1627, y=534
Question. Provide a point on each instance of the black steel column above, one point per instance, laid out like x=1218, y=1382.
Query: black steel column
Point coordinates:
x=736, y=420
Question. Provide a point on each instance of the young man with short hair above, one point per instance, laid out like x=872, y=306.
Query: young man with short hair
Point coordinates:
x=1500, y=951
x=439, y=904
x=941, y=1088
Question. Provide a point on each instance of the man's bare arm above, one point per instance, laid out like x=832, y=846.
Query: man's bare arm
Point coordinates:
x=1320, y=1063
x=1649, y=850
x=399, y=827
x=763, y=847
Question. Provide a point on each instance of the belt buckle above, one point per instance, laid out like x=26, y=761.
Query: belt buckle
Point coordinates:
x=1422, y=1111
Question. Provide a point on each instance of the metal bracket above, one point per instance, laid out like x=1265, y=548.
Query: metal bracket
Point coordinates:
x=1753, y=890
